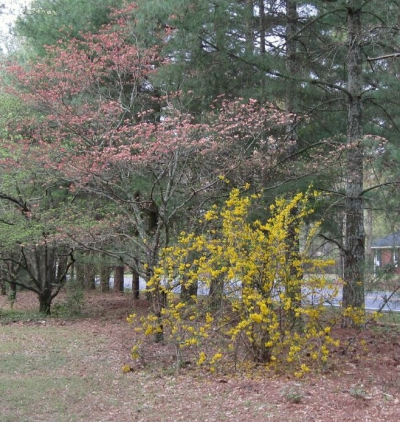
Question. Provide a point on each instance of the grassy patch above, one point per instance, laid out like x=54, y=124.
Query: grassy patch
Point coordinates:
x=8, y=316
x=390, y=318
x=50, y=371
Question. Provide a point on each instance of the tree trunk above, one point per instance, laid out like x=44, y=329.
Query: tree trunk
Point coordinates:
x=188, y=291
x=216, y=293
x=292, y=71
x=354, y=254
x=369, y=259
x=61, y=268
x=89, y=277
x=119, y=278
x=41, y=265
x=104, y=279
x=72, y=271
x=294, y=282
x=148, y=277
x=293, y=288
x=135, y=284
x=80, y=274
x=3, y=290
x=249, y=31
x=159, y=301
x=45, y=302
x=262, y=26
x=12, y=293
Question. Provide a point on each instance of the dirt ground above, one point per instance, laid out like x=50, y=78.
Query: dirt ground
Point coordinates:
x=363, y=383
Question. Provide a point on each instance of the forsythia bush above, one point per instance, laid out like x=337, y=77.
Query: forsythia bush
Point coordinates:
x=260, y=297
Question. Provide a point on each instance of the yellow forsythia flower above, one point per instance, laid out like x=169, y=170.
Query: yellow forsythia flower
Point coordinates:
x=202, y=358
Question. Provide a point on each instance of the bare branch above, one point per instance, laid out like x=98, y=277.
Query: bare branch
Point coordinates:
x=385, y=56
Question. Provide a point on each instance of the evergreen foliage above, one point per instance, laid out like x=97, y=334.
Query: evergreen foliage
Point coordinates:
x=46, y=22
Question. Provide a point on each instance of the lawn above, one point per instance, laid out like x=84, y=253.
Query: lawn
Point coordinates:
x=69, y=369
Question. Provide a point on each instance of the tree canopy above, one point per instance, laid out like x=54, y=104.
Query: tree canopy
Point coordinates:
x=153, y=110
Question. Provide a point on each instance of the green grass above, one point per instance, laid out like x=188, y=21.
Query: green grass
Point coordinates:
x=47, y=398
x=12, y=315
x=51, y=373
x=392, y=319
x=19, y=360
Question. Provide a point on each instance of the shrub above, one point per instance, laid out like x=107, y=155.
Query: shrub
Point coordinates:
x=261, y=304
x=74, y=301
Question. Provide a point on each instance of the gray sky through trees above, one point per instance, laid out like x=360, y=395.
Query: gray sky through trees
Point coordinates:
x=9, y=11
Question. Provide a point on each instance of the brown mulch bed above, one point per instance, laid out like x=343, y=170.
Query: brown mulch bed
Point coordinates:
x=363, y=383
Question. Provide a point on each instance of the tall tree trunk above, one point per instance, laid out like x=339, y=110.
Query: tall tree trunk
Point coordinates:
x=89, y=276
x=369, y=224
x=354, y=254
x=80, y=274
x=12, y=293
x=135, y=284
x=293, y=288
x=104, y=279
x=262, y=25
x=119, y=278
x=249, y=31
x=292, y=71
x=3, y=290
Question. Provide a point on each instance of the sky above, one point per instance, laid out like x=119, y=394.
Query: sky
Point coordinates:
x=8, y=14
